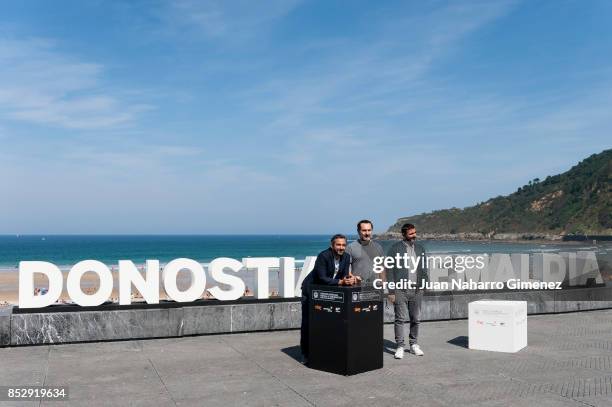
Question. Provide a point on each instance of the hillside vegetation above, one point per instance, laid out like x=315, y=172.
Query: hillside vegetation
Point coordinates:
x=578, y=201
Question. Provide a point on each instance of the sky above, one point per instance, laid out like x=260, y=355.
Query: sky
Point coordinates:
x=282, y=117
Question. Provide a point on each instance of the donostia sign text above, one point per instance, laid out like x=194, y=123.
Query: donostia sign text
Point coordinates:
x=445, y=272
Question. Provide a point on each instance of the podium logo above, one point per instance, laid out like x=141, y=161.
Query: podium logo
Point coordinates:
x=355, y=297
x=315, y=295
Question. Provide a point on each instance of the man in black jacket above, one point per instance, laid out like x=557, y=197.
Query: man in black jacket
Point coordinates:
x=331, y=268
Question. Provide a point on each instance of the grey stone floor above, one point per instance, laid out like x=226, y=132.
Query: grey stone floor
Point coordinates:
x=568, y=363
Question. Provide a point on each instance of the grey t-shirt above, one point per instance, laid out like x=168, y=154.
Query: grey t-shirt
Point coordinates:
x=362, y=259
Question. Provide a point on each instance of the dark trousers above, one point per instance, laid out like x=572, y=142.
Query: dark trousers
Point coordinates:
x=305, y=324
x=407, y=305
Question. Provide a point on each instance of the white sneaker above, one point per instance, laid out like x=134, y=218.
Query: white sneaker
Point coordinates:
x=399, y=353
x=416, y=349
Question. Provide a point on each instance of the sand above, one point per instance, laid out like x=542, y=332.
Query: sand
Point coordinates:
x=9, y=285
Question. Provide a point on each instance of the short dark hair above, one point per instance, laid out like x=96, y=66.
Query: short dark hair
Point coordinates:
x=406, y=227
x=337, y=236
x=364, y=221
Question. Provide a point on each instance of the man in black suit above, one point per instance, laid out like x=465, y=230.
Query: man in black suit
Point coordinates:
x=331, y=268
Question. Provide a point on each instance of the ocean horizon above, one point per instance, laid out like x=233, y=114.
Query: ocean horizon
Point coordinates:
x=65, y=250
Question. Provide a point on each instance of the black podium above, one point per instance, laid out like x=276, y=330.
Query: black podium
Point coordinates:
x=346, y=329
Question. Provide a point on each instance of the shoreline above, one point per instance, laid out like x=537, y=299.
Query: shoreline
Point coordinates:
x=9, y=287
x=387, y=236
x=538, y=238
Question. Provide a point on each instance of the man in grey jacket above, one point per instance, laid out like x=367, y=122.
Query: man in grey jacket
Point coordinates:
x=407, y=301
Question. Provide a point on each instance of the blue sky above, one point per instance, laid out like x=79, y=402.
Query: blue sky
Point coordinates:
x=289, y=116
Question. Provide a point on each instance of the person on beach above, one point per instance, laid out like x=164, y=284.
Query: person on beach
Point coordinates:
x=363, y=251
x=331, y=268
x=407, y=302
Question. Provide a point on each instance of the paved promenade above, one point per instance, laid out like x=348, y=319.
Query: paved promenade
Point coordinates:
x=568, y=363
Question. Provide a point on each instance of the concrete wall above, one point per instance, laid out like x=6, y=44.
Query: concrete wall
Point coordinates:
x=33, y=328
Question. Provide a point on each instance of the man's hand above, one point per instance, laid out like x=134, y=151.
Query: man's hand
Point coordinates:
x=391, y=298
x=348, y=280
x=353, y=279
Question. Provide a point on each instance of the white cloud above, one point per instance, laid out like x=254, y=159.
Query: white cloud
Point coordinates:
x=367, y=76
x=39, y=84
x=234, y=20
x=131, y=189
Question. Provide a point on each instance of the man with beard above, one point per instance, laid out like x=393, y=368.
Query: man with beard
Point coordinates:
x=331, y=268
x=363, y=251
x=407, y=302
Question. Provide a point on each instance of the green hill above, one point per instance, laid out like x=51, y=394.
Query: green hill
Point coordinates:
x=578, y=201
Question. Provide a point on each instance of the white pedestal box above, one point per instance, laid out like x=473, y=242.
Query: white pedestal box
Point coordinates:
x=499, y=326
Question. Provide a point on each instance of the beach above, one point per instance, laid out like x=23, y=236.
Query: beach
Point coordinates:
x=9, y=286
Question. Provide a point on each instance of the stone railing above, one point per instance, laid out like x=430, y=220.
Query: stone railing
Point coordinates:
x=63, y=324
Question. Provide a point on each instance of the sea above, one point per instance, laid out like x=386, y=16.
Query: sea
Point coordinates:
x=67, y=250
